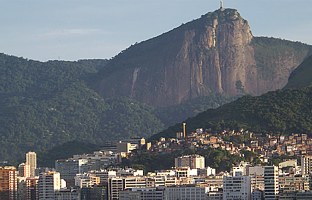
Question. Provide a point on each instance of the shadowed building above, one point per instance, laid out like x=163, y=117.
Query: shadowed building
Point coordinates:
x=8, y=183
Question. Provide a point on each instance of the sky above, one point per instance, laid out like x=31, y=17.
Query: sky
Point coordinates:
x=86, y=29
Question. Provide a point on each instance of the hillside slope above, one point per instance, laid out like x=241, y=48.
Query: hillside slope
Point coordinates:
x=284, y=111
x=215, y=54
x=301, y=76
x=47, y=104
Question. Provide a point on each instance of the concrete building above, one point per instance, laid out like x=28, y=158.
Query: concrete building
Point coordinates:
x=28, y=188
x=191, y=161
x=271, y=188
x=96, y=193
x=185, y=192
x=306, y=164
x=8, y=183
x=86, y=180
x=291, y=183
x=298, y=195
x=126, y=146
x=115, y=185
x=48, y=184
x=67, y=194
x=142, y=194
x=31, y=160
x=185, y=172
x=236, y=187
x=138, y=182
x=257, y=194
x=208, y=171
x=288, y=163
x=256, y=175
x=97, y=160
x=165, y=181
x=215, y=195
x=306, y=195
x=69, y=168
x=104, y=175
x=23, y=170
x=214, y=183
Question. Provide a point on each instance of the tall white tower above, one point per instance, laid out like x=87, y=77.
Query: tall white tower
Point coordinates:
x=221, y=5
x=31, y=161
x=184, y=130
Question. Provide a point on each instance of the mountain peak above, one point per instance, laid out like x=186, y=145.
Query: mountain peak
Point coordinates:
x=215, y=54
x=223, y=15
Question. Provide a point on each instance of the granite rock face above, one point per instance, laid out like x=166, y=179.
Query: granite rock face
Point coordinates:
x=216, y=53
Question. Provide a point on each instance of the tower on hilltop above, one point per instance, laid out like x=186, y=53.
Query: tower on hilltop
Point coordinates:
x=221, y=5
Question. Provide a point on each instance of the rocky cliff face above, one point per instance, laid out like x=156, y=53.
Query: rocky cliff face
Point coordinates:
x=216, y=53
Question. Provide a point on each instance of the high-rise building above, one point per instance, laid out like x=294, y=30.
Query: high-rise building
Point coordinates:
x=32, y=188
x=31, y=160
x=69, y=168
x=49, y=182
x=8, y=183
x=23, y=170
x=28, y=188
x=271, y=187
x=256, y=174
x=236, y=187
x=306, y=164
x=185, y=192
x=184, y=130
x=115, y=185
x=191, y=161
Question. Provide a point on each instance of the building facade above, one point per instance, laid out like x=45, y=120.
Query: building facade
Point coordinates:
x=185, y=192
x=236, y=187
x=271, y=187
x=306, y=164
x=191, y=161
x=69, y=168
x=48, y=184
x=8, y=183
x=31, y=161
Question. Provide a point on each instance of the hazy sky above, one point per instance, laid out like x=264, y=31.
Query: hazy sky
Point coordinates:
x=78, y=29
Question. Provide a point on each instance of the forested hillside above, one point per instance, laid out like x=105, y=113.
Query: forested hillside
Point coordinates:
x=301, y=76
x=47, y=104
x=286, y=111
x=152, y=85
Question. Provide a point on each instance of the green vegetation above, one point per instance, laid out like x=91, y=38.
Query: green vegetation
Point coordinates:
x=47, y=104
x=284, y=111
x=64, y=151
x=301, y=76
x=269, y=52
x=220, y=159
x=44, y=105
x=174, y=114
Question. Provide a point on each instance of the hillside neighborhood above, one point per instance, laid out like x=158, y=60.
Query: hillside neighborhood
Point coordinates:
x=271, y=167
